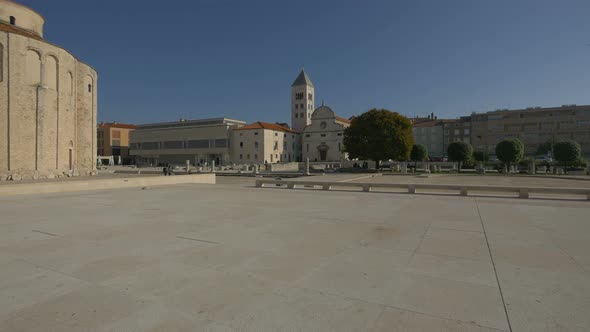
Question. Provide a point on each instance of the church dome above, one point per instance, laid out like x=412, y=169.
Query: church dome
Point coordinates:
x=323, y=112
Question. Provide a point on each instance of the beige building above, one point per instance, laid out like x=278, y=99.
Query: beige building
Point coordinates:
x=302, y=102
x=456, y=130
x=323, y=138
x=533, y=126
x=429, y=132
x=262, y=143
x=47, y=102
x=113, y=139
x=199, y=141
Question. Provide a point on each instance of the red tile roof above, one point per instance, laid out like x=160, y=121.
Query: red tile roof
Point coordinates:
x=266, y=125
x=341, y=119
x=117, y=125
x=13, y=29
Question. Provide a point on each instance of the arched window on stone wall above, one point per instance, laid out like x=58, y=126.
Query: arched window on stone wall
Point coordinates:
x=70, y=83
x=33, y=67
x=51, y=72
x=89, y=84
x=1, y=62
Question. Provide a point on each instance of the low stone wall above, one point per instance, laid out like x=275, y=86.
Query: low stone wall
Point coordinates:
x=101, y=184
x=283, y=167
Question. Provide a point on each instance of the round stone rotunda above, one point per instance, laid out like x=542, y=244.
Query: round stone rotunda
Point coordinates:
x=47, y=102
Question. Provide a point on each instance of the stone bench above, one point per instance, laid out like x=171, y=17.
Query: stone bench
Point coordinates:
x=523, y=192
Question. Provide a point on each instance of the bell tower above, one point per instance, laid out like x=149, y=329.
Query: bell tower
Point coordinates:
x=302, y=102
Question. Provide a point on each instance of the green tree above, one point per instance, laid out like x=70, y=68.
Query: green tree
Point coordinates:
x=419, y=153
x=544, y=148
x=459, y=152
x=510, y=151
x=378, y=135
x=567, y=152
x=481, y=156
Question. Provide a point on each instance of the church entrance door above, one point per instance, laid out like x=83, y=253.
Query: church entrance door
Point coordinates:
x=323, y=150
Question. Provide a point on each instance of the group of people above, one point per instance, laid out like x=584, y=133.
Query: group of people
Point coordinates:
x=167, y=169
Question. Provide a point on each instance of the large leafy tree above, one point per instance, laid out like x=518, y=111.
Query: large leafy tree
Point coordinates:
x=459, y=152
x=378, y=135
x=419, y=153
x=510, y=151
x=544, y=148
x=567, y=152
x=481, y=156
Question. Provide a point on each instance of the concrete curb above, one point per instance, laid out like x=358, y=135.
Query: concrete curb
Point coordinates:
x=73, y=186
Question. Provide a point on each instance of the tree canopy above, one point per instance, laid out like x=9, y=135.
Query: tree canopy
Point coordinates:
x=379, y=134
x=481, y=156
x=419, y=153
x=567, y=151
x=510, y=151
x=459, y=151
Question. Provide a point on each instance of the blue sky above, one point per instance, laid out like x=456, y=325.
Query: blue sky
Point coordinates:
x=236, y=58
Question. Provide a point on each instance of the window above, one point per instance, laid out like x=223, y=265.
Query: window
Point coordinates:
x=241, y=144
x=256, y=133
x=301, y=106
x=221, y=143
x=466, y=131
x=301, y=114
x=309, y=96
x=240, y=156
x=12, y=20
x=173, y=145
x=456, y=132
x=339, y=147
x=241, y=134
x=296, y=115
x=255, y=156
x=198, y=144
x=116, y=142
x=248, y=156
x=276, y=147
x=256, y=145
x=323, y=135
x=307, y=147
x=307, y=135
x=339, y=134
x=276, y=134
x=296, y=106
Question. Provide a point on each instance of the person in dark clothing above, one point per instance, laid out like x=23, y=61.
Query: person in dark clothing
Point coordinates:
x=165, y=170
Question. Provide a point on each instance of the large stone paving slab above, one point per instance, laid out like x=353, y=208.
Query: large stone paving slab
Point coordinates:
x=231, y=257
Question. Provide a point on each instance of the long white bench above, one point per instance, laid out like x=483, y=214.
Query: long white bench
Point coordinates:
x=523, y=192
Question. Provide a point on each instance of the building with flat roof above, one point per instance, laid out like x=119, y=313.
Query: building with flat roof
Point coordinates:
x=199, y=141
x=430, y=134
x=456, y=130
x=112, y=139
x=534, y=126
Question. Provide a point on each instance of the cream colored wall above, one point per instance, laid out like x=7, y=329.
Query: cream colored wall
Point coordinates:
x=334, y=137
x=26, y=18
x=3, y=103
x=42, y=115
x=266, y=139
x=299, y=123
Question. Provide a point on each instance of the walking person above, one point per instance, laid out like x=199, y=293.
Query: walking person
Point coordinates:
x=165, y=170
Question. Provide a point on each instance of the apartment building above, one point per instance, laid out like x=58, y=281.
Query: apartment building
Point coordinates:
x=533, y=126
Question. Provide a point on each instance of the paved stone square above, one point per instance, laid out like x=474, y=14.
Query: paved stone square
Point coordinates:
x=231, y=257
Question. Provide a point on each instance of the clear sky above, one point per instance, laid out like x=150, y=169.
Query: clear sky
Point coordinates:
x=163, y=60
